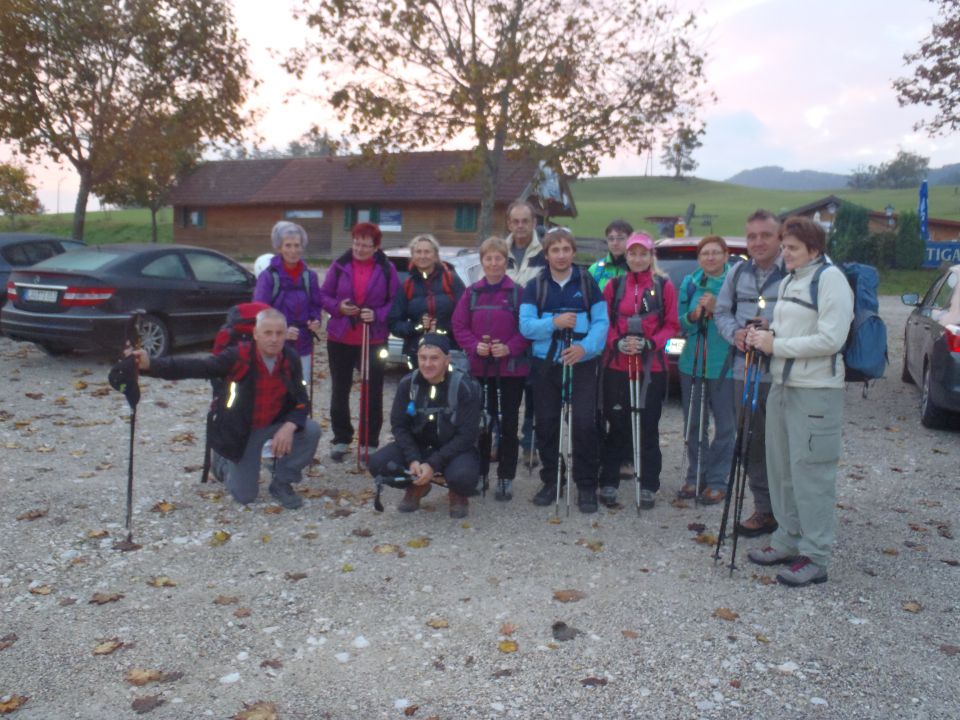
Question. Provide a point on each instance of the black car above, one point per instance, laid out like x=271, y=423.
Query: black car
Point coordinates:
x=20, y=250
x=82, y=300
x=931, y=348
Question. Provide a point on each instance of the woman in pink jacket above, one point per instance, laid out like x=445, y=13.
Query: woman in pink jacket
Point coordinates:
x=486, y=326
x=643, y=317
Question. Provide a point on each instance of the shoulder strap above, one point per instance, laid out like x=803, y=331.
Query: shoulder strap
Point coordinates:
x=275, y=274
x=619, y=288
x=448, y=283
x=661, y=283
x=541, y=292
x=737, y=272
x=585, y=279
x=408, y=287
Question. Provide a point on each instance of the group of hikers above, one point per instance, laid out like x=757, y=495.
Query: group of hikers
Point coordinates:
x=581, y=350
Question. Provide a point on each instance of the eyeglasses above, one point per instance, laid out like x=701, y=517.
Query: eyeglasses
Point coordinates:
x=362, y=245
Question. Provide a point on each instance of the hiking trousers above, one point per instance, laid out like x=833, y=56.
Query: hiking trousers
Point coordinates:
x=718, y=401
x=462, y=473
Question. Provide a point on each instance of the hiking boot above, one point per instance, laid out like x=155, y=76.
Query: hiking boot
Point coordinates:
x=217, y=467
x=713, y=496
x=412, y=496
x=284, y=494
x=458, y=505
x=339, y=451
x=546, y=495
x=608, y=495
x=687, y=492
x=647, y=499
x=770, y=556
x=504, y=490
x=803, y=572
x=756, y=525
x=587, y=500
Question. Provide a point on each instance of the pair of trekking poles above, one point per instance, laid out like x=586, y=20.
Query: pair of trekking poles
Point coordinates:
x=754, y=369
x=486, y=432
x=698, y=385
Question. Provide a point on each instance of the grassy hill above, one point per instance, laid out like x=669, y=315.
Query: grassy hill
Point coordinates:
x=599, y=200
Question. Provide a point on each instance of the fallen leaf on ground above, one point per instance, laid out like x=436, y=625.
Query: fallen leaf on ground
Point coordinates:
x=141, y=676
x=275, y=663
x=105, y=647
x=97, y=534
x=736, y=683
x=706, y=539
x=569, y=596
x=163, y=507
x=362, y=532
x=13, y=703
x=220, y=537
x=508, y=629
x=410, y=710
x=593, y=682
x=104, y=598
x=438, y=623
x=80, y=385
x=630, y=634
x=418, y=543
x=145, y=704
x=226, y=600
x=161, y=581
x=273, y=509
x=347, y=567
x=295, y=576
x=41, y=590
x=764, y=579
x=7, y=641
x=696, y=527
x=310, y=535
x=725, y=614
x=944, y=531
x=919, y=547
x=912, y=606
x=949, y=650
x=554, y=520
x=679, y=503
x=891, y=551
x=258, y=711
x=386, y=549
x=32, y=515
x=342, y=512
x=34, y=395
x=951, y=563
x=760, y=637
x=916, y=527
x=563, y=632
x=242, y=612
x=186, y=437
x=508, y=646
x=595, y=545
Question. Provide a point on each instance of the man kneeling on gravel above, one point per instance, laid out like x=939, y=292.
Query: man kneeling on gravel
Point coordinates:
x=266, y=400
x=435, y=421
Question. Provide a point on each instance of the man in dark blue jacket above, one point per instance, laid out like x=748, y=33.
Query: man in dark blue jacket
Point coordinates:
x=264, y=400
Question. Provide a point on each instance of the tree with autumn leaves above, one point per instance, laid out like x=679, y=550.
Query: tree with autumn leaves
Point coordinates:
x=115, y=87
x=567, y=82
x=18, y=196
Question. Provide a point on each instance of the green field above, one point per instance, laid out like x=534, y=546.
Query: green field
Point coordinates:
x=108, y=226
x=600, y=200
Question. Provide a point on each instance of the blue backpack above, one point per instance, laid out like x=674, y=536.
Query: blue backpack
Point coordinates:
x=865, y=351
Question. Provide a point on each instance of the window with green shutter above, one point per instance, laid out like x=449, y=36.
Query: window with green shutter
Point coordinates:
x=466, y=220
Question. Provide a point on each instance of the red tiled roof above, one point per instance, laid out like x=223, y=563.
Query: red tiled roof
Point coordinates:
x=415, y=177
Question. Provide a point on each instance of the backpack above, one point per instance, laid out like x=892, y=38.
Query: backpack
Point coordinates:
x=585, y=279
x=475, y=293
x=457, y=378
x=865, y=350
x=241, y=319
x=446, y=279
x=275, y=274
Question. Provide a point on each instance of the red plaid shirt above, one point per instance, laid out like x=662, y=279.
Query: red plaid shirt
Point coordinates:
x=270, y=393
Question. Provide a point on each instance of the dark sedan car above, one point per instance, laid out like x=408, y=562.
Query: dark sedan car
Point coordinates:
x=20, y=250
x=82, y=300
x=931, y=348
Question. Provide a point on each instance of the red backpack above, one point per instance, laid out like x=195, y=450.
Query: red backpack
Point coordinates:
x=241, y=319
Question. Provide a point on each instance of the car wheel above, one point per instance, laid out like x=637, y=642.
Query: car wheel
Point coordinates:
x=154, y=336
x=55, y=349
x=931, y=416
x=905, y=370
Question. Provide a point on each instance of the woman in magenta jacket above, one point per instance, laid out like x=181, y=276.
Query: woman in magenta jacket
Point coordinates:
x=643, y=317
x=358, y=289
x=486, y=326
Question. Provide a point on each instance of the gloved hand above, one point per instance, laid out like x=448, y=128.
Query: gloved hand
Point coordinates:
x=647, y=345
x=630, y=344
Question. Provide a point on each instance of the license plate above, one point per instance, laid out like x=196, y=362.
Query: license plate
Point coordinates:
x=675, y=346
x=37, y=295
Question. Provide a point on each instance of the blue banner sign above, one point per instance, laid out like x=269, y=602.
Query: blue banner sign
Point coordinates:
x=923, y=210
x=941, y=252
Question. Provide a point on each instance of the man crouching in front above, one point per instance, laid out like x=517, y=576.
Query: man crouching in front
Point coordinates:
x=265, y=400
x=436, y=422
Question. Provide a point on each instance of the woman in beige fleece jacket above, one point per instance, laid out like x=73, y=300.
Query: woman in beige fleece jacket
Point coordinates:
x=811, y=321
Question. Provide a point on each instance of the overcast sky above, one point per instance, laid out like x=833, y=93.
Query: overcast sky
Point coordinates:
x=803, y=85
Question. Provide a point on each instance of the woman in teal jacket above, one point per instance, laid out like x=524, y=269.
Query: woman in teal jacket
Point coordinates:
x=698, y=299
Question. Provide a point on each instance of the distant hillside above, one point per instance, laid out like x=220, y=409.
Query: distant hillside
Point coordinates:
x=946, y=175
x=773, y=177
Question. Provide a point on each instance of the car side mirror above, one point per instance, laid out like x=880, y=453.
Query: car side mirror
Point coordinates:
x=912, y=299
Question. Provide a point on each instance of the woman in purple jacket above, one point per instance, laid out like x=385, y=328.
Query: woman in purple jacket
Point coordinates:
x=359, y=288
x=486, y=326
x=291, y=287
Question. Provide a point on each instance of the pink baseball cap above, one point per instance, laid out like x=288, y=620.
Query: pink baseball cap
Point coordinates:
x=639, y=238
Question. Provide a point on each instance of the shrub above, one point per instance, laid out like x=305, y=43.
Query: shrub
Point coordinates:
x=910, y=248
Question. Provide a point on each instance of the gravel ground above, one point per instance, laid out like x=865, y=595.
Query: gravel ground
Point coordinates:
x=337, y=611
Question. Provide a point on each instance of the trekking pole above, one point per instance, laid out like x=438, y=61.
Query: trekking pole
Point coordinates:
x=689, y=421
x=759, y=359
x=364, y=434
x=734, y=479
x=485, y=422
x=635, y=419
x=313, y=357
x=533, y=444
x=501, y=484
x=701, y=424
x=563, y=448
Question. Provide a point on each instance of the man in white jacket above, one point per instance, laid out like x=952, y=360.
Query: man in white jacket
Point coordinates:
x=810, y=325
